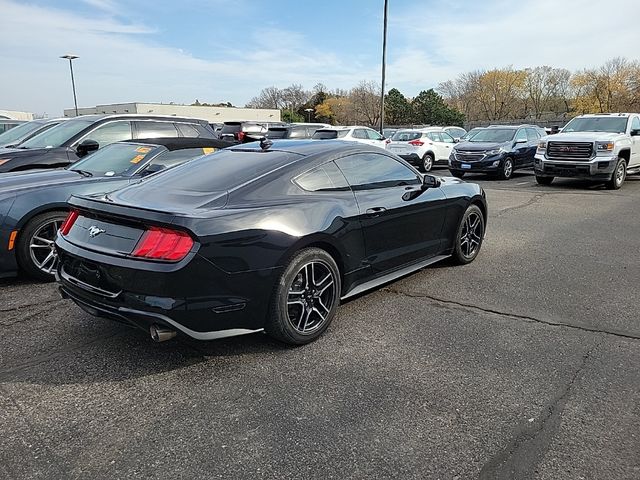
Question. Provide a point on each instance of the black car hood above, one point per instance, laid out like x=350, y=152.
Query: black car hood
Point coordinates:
x=22, y=152
x=30, y=179
x=480, y=146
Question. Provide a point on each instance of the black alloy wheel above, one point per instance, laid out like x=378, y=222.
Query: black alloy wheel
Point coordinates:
x=306, y=298
x=35, y=249
x=469, y=236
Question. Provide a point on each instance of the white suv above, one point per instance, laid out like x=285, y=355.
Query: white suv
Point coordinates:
x=424, y=147
x=354, y=134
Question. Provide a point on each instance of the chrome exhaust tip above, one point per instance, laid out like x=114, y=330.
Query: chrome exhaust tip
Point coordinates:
x=160, y=333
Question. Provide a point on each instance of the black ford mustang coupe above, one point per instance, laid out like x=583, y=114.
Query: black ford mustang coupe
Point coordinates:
x=266, y=236
x=33, y=203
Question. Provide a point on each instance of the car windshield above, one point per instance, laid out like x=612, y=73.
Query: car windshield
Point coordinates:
x=329, y=134
x=597, y=124
x=405, y=136
x=16, y=133
x=494, y=135
x=117, y=159
x=56, y=136
x=470, y=133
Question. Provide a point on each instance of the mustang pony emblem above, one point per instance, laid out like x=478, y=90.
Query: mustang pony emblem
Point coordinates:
x=95, y=231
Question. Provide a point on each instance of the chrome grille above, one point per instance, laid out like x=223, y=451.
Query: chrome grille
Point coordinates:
x=570, y=150
x=469, y=156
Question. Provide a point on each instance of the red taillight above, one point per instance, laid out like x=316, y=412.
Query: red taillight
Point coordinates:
x=387, y=141
x=416, y=143
x=65, y=228
x=240, y=136
x=163, y=244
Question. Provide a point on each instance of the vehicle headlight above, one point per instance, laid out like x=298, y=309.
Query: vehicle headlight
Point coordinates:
x=604, y=146
x=496, y=151
x=542, y=147
x=4, y=160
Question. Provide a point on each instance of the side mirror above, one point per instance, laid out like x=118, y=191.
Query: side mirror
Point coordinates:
x=456, y=140
x=429, y=181
x=635, y=132
x=86, y=147
x=153, y=168
x=520, y=141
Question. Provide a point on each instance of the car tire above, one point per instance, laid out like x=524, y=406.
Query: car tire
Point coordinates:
x=457, y=174
x=305, y=298
x=619, y=175
x=427, y=162
x=35, y=249
x=469, y=236
x=506, y=170
x=544, y=180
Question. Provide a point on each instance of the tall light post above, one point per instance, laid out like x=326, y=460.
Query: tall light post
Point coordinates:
x=384, y=62
x=73, y=82
x=308, y=110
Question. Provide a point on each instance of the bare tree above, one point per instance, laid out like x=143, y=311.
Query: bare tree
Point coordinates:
x=365, y=99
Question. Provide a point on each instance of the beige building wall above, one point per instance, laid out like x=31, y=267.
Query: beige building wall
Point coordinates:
x=12, y=114
x=211, y=114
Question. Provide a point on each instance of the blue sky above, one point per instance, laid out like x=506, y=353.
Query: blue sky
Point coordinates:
x=228, y=50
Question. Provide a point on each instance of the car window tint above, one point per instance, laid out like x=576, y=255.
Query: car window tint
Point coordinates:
x=324, y=178
x=446, y=138
x=521, y=135
x=188, y=130
x=298, y=132
x=156, y=129
x=373, y=135
x=360, y=133
x=635, y=123
x=110, y=133
x=434, y=136
x=532, y=135
x=371, y=170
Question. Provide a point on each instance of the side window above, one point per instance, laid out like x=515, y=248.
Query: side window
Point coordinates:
x=373, y=135
x=446, y=138
x=360, y=133
x=433, y=137
x=521, y=135
x=110, y=133
x=324, y=178
x=297, y=132
x=156, y=129
x=175, y=157
x=635, y=123
x=532, y=135
x=372, y=170
x=187, y=130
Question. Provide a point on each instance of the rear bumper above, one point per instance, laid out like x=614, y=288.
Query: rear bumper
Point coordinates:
x=199, y=300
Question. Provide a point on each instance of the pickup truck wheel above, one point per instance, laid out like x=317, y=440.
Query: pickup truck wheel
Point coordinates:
x=507, y=169
x=544, y=180
x=619, y=175
x=427, y=162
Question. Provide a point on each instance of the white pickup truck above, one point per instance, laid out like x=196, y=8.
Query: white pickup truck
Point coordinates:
x=600, y=147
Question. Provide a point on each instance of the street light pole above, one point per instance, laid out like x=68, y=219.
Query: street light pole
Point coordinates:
x=73, y=82
x=308, y=110
x=384, y=63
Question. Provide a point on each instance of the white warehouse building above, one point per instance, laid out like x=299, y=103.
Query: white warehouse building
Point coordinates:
x=211, y=114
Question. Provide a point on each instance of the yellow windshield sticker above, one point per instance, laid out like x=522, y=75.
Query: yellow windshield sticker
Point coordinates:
x=208, y=150
x=143, y=149
x=137, y=159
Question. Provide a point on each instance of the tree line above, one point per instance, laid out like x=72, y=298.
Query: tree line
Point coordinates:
x=501, y=94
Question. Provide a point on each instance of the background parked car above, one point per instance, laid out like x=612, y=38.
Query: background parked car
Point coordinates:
x=33, y=204
x=497, y=150
x=456, y=132
x=335, y=211
x=68, y=141
x=27, y=130
x=470, y=134
x=422, y=148
x=246, y=131
x=9, y=124
x=354, y=133
x=294, y=131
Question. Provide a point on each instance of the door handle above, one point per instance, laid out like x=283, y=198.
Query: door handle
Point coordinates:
x=376, y=211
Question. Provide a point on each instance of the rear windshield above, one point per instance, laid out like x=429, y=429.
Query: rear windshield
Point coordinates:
x=597, y=124
x=277, y=133
x=329, y=134
x=231, y=127
x=56, y=136
x=220, y=171
x=405, y=136
x=494, y=135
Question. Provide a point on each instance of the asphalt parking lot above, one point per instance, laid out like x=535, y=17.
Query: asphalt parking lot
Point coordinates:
x=523, y=364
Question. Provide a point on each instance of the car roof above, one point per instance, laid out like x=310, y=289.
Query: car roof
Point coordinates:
x=307, y=147
x=134, y=116
x=181, y=143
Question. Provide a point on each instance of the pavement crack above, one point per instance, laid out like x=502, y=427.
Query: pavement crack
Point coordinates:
x=30, y=305
x=535, y=199
x=520, y=457
x=528, y=318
